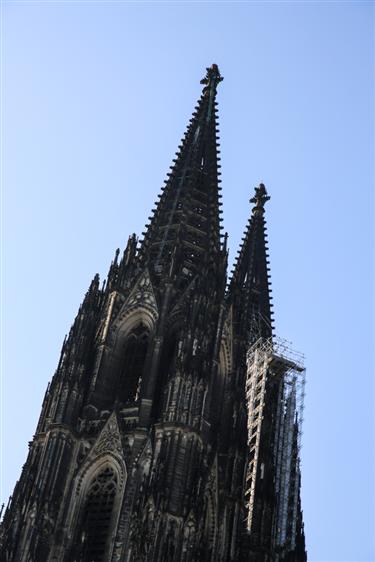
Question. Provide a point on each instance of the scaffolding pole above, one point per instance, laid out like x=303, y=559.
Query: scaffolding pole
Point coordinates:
x=268, y=358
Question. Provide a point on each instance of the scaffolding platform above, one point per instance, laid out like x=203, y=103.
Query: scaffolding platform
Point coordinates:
x=274, y=359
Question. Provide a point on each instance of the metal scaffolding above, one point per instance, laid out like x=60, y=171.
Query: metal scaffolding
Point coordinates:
x=268, y=359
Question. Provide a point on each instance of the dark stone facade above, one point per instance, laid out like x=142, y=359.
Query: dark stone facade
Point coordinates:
x=141, y=449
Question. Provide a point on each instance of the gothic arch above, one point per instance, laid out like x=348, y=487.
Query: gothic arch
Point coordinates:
x=131, y=363
x=94, y=465
x=140, y=306
x=109, y=471
x=128, y=319
x=124, y=360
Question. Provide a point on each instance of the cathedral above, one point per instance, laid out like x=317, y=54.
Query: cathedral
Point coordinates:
x=171, y=429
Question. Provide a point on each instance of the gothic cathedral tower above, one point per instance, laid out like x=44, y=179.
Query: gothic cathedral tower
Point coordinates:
x=171, y=429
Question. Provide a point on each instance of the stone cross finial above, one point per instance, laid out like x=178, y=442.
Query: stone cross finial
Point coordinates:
x=260, y=198
x=213, y=76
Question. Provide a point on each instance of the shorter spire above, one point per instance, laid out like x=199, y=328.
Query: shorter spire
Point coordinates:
x=249, y=287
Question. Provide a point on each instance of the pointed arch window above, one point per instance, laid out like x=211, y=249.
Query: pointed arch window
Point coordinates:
x=133, y=359
x=97, y=516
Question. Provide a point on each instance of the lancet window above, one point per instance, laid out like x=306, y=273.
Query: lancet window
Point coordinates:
x=97, y=516
x=133, y=359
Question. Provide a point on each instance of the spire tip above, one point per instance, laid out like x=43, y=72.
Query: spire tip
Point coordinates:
x=260, y=198
x=213, y=77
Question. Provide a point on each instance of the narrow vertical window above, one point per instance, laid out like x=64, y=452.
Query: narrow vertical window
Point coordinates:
x=97, y=516
x=134, y=357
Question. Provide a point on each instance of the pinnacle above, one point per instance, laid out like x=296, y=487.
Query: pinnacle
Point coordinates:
x=260, y=198
x=212, y=78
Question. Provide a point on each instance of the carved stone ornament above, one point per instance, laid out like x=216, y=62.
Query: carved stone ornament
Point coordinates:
x=141, y=298
x=143, y=293
x=109, y=440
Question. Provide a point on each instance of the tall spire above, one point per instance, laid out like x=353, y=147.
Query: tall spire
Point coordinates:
x=249, y=285
x=184, y=231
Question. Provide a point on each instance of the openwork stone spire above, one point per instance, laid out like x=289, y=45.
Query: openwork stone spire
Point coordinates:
x=184, y=231
x=250, y=280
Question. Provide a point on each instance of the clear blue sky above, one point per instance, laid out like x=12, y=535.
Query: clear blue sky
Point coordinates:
x=96, y=96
